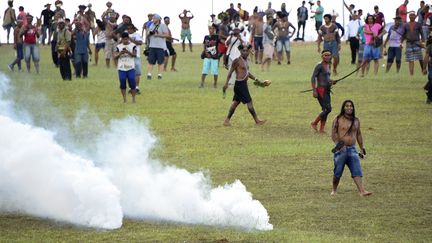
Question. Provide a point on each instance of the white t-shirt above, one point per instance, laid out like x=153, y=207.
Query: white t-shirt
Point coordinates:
x=101, y=37
x=125, y=61
x=136, y=37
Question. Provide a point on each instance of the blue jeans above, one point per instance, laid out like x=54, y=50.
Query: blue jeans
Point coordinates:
x=347, y=156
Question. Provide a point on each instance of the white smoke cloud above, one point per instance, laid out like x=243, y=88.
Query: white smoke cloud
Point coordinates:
x=39, y=175
x=153, y=191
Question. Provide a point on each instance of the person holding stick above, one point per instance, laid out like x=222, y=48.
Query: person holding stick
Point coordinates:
x=321, y=85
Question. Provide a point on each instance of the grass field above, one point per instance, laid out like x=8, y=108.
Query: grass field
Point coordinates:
x=284, y=164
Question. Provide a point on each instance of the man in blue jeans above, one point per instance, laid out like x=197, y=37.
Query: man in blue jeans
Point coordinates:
x=345, y=133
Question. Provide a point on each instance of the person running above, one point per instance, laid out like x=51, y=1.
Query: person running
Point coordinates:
x=64, y=38
x=241, y=90
x=100, y=39
x=346, y=133
x=31, y=49
x=18, y=46
x=321, y=87
x=330, y=34
x=82, y=50
x=110, y=36
x=125, y=54
x=395, y=48
x=185, y=28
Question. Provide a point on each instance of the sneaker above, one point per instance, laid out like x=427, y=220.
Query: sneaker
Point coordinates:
x=10, y=67
x=159, y=76
x=149, y=77
x=279, y=63
x=138, y=91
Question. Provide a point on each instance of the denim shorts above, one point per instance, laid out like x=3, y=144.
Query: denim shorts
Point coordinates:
x=333, y=46
x=349, y=156
x=31, y=51
x=371, y=53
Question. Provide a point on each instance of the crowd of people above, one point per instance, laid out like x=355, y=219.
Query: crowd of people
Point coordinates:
x=233, y=35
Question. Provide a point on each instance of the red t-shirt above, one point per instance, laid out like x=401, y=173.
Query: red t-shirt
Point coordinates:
x=30, y=35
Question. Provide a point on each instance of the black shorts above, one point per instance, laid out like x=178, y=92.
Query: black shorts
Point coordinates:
x=170, y=51
x=241, y=92
x=156, y=55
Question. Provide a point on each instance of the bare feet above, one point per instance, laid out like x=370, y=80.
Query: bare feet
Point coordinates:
x=173, y=69
x=227, y=123
x=260, y=122
x=333, y=193
x=365, y=194
x=314, y=127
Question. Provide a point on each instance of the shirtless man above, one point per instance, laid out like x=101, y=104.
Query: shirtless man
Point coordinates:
x=283, y=38
x=91, y=18
x=257, y=34
x=345, y=133
x=321, y=86
x=241, y=91
x=185, y=28
x=328, y=32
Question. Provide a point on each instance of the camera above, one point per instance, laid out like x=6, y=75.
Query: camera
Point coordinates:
x=152, y=32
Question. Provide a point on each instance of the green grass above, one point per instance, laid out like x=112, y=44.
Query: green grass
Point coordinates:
x=286, y=166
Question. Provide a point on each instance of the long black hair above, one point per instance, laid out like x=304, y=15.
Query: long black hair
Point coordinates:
x=342, y=113
x=100, y=24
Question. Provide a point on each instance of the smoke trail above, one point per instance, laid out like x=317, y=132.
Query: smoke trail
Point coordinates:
x=38, y=177
x=153, y=191
x=43, y=179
